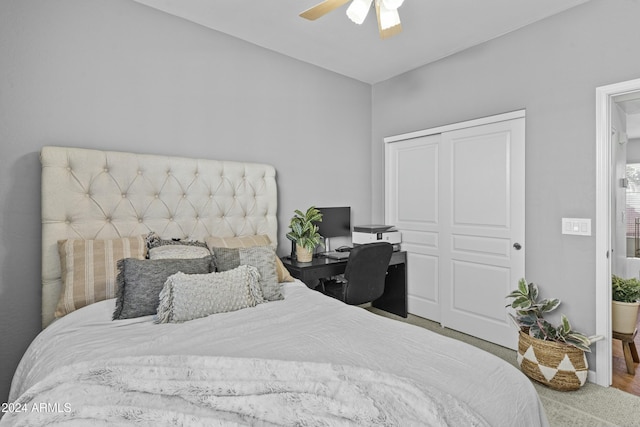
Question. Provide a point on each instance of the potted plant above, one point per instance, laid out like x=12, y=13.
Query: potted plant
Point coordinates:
x=625, y=294
x=551, y=355
x=304, y=232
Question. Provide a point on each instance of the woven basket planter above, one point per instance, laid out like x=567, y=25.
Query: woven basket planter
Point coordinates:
x=303, y=254
x=558, y=366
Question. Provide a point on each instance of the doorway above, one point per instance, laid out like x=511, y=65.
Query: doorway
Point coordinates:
x=608, y=100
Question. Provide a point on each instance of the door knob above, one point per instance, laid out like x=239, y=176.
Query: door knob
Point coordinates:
x=517, y=246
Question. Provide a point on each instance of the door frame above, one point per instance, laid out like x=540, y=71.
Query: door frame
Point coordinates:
x=604, y=100
x=455, y=126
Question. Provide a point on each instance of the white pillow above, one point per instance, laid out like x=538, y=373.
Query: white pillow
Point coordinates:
x=191, y=296
x=178, y=252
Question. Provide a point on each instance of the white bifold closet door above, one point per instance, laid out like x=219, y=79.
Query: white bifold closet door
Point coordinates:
x=457, y=195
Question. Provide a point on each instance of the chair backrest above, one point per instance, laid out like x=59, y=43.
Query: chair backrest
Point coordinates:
x=366, y=271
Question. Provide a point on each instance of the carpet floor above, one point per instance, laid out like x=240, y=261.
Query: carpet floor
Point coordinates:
x=591, y=406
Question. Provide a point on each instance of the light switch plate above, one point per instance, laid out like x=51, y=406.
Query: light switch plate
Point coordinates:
x=576, y=226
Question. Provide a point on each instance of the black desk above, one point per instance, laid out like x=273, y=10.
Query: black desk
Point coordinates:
x=394, y=299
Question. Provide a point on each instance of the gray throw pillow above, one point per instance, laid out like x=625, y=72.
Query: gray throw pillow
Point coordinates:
x=192, y=296
x=140, y=282
x=261, y=257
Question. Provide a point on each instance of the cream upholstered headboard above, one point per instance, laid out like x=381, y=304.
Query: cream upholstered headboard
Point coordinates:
x=92, y=194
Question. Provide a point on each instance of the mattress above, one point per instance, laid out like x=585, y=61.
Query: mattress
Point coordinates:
x=304, y=327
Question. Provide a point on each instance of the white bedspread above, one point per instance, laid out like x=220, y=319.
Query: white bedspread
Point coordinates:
x=306, y=328
x=208, y=391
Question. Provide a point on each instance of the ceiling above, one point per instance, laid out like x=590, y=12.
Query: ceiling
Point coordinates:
x=432, y=29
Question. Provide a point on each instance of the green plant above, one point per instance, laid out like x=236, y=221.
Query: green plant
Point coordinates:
x=530, y=317
x=625, y=290
x=304, y=231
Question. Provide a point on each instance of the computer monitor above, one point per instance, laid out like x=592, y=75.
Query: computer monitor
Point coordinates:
x=336, y=222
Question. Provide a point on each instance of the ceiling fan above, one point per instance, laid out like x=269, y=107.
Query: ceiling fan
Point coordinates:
x=386, y=11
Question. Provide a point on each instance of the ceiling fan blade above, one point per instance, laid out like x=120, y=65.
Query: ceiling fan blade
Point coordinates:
x=322, y=9
x=387, y=32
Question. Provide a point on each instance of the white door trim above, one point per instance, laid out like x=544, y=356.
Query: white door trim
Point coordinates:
x=455, y=126
x=604, y=96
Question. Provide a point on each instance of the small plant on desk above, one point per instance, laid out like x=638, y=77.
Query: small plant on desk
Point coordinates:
x=304, y=232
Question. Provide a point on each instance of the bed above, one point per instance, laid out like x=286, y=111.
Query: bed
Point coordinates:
x=289, y=356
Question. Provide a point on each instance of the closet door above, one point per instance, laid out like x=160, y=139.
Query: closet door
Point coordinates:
x=413, y=206
x=483, y=251
x=458, y=199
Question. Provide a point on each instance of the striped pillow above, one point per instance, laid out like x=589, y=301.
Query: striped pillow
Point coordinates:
x=89, y=269
x=248, y=242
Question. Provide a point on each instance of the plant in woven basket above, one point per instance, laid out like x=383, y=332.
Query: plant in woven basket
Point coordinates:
x=551, y=355
x=530, y=313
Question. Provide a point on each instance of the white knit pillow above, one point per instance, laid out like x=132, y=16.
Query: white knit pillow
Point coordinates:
x=191, y=296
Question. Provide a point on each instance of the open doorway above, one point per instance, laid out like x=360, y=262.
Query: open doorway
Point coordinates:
x=625, y=262
x=617, y=107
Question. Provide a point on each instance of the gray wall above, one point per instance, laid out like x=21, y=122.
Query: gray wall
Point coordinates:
x=633, y=151
x=551, y=69
x=116, y=75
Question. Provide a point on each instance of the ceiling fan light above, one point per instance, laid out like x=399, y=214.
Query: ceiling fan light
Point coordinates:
x=388, y=17
x=358, y=10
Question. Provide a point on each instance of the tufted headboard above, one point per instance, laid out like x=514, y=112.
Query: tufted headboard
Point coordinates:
x=94, y=194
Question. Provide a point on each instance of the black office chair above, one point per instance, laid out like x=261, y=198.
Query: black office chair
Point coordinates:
x=364, y=277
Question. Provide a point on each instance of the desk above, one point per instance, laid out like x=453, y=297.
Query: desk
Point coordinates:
x=394, y=299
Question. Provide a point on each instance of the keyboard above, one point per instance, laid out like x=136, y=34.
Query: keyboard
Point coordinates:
x=335, y=255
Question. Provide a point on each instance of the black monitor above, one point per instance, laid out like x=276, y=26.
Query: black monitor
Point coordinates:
x=336, y=222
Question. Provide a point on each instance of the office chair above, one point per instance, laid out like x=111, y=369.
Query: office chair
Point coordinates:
x=364, y=277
